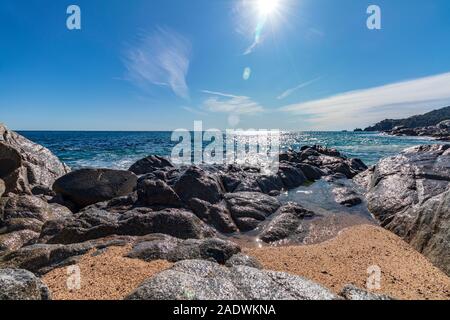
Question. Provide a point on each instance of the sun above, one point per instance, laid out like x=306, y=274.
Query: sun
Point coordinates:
x=267, y=7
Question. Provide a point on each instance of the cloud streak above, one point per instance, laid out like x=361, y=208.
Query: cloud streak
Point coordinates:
x=161, y=58
x=365, y=107
x=288, y=92
x=228, y=103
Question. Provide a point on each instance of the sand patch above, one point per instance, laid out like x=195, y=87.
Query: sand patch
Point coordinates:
x=107, y=276
x=406, y=274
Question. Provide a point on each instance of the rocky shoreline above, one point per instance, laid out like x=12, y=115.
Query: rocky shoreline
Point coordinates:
x=51, y=218
x=440, y=132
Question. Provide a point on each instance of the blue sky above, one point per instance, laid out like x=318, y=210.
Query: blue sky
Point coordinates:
x=160, y=65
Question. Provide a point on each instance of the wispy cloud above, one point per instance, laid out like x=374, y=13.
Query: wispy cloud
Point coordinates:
x=194, y=111
x=364, y=107
x=228, y=103
x=233, y=105
x=288, y=92
x=160, y=58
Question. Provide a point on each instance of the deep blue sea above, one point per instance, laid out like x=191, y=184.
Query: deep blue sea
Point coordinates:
x=121, y=149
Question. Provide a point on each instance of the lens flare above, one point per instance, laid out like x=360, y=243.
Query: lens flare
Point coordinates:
x=267, y=7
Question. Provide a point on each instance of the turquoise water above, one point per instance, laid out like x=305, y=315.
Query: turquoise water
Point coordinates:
x=121, y=149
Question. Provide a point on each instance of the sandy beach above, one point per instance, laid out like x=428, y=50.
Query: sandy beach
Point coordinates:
x=406, y=274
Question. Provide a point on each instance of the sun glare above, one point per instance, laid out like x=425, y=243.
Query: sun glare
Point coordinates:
x=267, y=7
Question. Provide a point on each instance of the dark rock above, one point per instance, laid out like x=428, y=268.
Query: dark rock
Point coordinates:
x=351, y=292
x=93, y=224
x=26, y=206
x=17, y=284
x=270, y=183
x=249, y=208
x=311, y=173
x=215, y=215
x=25, y=165
x=197, y=183
x=2, y=187
x=15, y=240
x=173, y=250
x=88, y=186
x=42, y=258
x=291, y=176
x=157, y=249
x=203, y=280
x=410, y=195
x=287, y=222
x=157, y=193
x=23, y=217
x=150, y=164
x=212, y=249
x=346, y=196
x=240, y=259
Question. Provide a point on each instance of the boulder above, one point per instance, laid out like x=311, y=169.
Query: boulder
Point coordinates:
x=150, y=164
x=2, y=187
x=330, y=161
x=94, y=223
x=157, y=193
x=88, y=186
x=444, y=125
x=410, y=195
x=248, y=209
x=23, y=217
x=173, y=250
x=42, y=258
x=197, y=183
x=291, y=177
x=346, y=196
x=286, y=223
x=215, y=215
x=240, y=259
x=15, y=240
x=33, y=207
x=204, y=280
x=351, y=292
x=17, y=284
x=25, y=165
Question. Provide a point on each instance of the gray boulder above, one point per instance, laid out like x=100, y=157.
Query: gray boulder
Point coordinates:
x=410, y=195
x=248, y=209
x=88, y=186
x=17, y=284
x=240, y=259
x=204, y=280
x=25, y=166
x=351, y=292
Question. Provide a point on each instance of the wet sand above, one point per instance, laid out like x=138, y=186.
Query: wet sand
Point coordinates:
x=406, y=274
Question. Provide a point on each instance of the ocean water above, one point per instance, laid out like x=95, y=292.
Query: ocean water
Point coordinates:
x=121, y=149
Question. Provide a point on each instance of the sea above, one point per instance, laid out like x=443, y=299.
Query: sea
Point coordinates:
x=119, y=150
